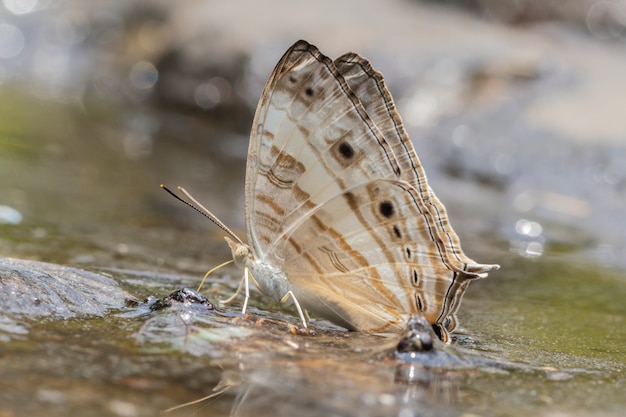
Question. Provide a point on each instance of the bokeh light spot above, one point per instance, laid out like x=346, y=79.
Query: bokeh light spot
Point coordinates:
x=11, y=41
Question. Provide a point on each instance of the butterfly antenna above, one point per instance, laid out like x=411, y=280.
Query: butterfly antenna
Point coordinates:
x=202, y=210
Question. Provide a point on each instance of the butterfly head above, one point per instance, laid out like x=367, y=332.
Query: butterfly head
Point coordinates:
x=269, y=280
x=241, y=252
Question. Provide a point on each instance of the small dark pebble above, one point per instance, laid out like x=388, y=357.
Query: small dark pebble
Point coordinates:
x=185, y=296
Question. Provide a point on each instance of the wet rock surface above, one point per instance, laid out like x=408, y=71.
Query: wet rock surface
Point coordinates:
x=34, y=290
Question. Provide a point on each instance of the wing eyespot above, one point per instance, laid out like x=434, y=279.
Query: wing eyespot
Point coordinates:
x=386, y=209
x=420, y=304
x=346, y=150
x=415, y=278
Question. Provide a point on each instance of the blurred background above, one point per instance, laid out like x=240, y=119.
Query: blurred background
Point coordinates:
x=516, y=109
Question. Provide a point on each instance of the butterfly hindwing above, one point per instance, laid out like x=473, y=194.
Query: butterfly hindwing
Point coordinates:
x=369, y=247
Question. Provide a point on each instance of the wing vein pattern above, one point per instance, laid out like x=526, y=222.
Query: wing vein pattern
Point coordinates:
x=337, y=199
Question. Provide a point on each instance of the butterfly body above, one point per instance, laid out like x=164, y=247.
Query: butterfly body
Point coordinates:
x=339, y=214
x=270, y=280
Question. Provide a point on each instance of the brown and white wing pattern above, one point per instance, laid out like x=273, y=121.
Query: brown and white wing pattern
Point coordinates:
x=370, y=278
x=311, y=140
x=369, y=86
x=337, y=199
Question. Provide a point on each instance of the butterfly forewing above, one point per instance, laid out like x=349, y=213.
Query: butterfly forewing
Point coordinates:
x=311, y=141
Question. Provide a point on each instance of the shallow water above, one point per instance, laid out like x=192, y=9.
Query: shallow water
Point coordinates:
x=545, y=335
x=525, y=346
x=535, y=332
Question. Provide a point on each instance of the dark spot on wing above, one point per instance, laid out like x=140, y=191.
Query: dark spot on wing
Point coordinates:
x=309, y=91
x=396, y=231
x=416, y=278
x=351, y=200
x=386, y=209
x=420, y=304
x=440, y=332
x=346, y=150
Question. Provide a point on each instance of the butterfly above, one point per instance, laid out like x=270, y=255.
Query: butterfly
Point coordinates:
x=339, y=215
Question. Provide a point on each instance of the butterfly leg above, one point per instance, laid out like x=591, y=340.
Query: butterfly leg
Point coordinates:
x=246, y=282
x=232, y=297
x=301, y=312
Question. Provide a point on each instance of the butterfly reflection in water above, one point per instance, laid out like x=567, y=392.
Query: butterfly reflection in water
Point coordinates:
x=339, y=215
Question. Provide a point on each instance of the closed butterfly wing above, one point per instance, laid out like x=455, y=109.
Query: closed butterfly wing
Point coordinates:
x=337, y=199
